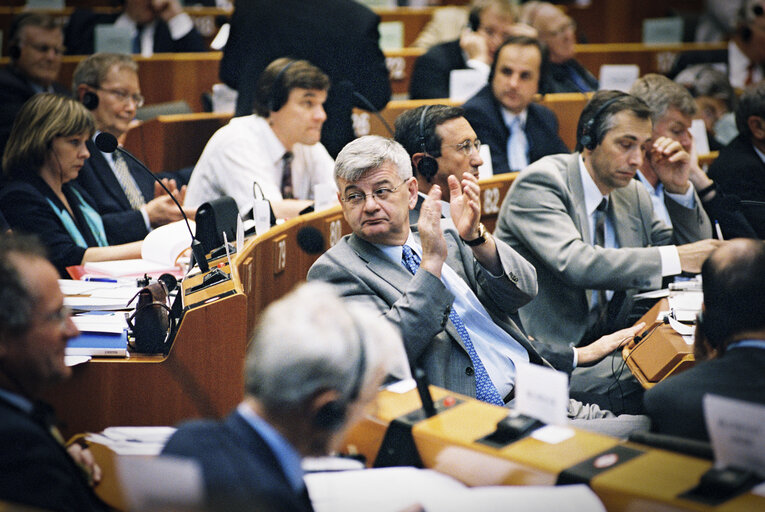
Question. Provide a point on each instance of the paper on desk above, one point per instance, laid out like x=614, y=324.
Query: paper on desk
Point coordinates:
x=133, y=440
x=113, y=323
x=75, y=360
x=653, y=294
x=95, y=303
x=393, y=489
x=686, y=301
x=144, y=481
x=681, y=328
x=737, y=432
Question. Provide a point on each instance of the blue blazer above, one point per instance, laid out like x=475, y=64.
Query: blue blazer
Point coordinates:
x=240, y=470
x=122, y=223
x=485, y=116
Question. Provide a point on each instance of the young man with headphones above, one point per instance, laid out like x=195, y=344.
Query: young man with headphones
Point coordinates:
x=276, y=151
x=729, y=345
x=128, y=199
x=35, y=46
x=441, y=143
x=590, y=230
x=313, y=366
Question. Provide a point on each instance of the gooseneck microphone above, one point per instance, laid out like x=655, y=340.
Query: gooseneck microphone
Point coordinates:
x=107, y=143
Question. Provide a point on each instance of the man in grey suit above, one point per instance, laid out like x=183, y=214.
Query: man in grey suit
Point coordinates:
x=451, y=287
x=549, y=217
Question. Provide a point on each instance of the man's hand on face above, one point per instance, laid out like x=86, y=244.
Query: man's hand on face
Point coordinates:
x=671, y=163
x=431, y=237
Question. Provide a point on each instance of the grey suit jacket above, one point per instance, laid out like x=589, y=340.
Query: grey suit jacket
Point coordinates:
x=543, y=217
x=419, y=305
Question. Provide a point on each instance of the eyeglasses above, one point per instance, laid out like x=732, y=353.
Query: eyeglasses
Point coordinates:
x=381, y=194
x=44, y=48
x=60, y=316
x=124, y=96
x=466, y=148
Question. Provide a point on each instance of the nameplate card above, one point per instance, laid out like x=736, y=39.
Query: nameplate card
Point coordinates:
x=663, y=30
x=737, y=432
x=52, y=5
x=262, y=214
x=541, y=393
x=699, y=133
x=464, y=83
x=619, y=77
x=111, y=39
x=391, y=35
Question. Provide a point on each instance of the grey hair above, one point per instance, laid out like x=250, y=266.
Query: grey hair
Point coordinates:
x=368, y=153
x=660, y=94
x=310, y=341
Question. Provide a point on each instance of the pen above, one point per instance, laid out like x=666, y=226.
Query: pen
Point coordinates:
x=101, y=279
x=718, y=231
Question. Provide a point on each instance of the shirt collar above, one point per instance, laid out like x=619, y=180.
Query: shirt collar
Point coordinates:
x=395, y=252
x=288, y=457
x=759, y=153
x=17, y=401
x=509, y=117
x=274, y=146
x=592, y=195
x=655, y=191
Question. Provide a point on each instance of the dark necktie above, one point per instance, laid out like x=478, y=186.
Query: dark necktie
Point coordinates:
x=287, y=176
x=137, y=38
x=600, y=239
x=485, y=389
x=577, y=79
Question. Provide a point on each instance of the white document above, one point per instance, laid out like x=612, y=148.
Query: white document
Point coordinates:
x=393, y=489
x=464, y=83
x=619, y=77
x=737, y=432
x=487, y=169
x=324, y=196
x=160, y=483
x=113, y=323
x=541, y=393
x=699, y=133
x=261, y=211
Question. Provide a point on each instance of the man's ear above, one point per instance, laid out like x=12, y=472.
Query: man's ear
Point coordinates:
x=81, y=90
x=416, y=159
x=413, y=189
x=757, y=127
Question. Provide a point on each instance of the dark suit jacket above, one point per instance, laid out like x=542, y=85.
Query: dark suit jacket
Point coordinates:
x=24, y=204
x=36, y=470
x=739, y=171
x=239, y=469
x=430, y=76
x=484, y=114
x=557, y=78
x=122, y=223
x=15, y=90
x=338, y=36
x=79, y=34
x=675, y=404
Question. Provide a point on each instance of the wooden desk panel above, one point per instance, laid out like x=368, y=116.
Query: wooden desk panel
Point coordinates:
x=493, y=192
x=413, y=19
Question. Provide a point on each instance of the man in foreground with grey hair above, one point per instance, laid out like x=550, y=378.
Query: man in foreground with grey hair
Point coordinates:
x=312, y=367
x=452, y=288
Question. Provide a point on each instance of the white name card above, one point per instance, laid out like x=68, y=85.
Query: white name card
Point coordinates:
x=111, y=39
x=737, y=432
x=619, y=77
x=261, y=212
x=464, y=83
x=541, y=393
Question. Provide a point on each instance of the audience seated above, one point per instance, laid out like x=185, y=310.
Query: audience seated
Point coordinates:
x=313, y=366
x=740, y=167
x=45, y=152
x=128, y=199
x=36, y=469
x=745, y=57
x=517, y=131
x=276, y=150
x=672, y=109
x=558, y=31
x=35, y=45
x=340, y=37
x=729, y=346
x=489, y=24
x=157, y=26
x=451, y=288
x=715, y=102
x=590, y=230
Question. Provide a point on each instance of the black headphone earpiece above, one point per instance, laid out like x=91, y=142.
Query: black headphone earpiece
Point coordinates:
x=474, y=19
x=90, y=100
x=14, y=52
x=277, y=98
x=427, y=167
x=331, y=416
x=589, y=140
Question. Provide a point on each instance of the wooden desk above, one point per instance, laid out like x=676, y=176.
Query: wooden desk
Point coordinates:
x=493, y=192
x=200, y=377
x=660, y=354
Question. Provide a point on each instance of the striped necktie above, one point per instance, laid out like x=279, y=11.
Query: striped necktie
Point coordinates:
x=121, y=171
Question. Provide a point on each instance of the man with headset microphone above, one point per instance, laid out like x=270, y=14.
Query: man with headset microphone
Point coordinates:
x=313, y=366
x=277, y=147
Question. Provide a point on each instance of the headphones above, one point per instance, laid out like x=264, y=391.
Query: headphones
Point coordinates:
x=589, y=139
x=427, y=166
x=90, y=100
x=748, y=15
x=277, y=98
x=474, y=18
x=331, y=415
x=14, y=52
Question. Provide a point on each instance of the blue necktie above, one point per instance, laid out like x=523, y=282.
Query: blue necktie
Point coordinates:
x=517, y=147
x=484, y=387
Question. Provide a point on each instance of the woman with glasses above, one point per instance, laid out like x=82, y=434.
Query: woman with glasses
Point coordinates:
x=45, y=153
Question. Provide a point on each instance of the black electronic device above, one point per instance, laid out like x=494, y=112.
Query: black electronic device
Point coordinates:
x=427, y=167
x=589, y=138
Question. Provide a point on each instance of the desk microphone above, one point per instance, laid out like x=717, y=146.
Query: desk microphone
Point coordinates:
x=107, y=143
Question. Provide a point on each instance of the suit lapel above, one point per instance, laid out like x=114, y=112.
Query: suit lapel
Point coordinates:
x=624, y=223
x=574, y=180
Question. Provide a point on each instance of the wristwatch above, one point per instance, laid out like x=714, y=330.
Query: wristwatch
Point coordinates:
x=480, y=239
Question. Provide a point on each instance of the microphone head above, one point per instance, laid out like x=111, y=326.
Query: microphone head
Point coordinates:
x=171, y=283
x=310, y=240
x=106, y=142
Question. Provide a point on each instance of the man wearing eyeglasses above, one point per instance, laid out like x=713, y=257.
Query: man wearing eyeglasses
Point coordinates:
x=36, y=469
x=35, y=45
x=130, y=202
x=441, y=143
x=451, y=288
x=558, y=31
